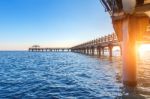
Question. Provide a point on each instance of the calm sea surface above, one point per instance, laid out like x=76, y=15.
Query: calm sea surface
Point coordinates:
x=67, y=75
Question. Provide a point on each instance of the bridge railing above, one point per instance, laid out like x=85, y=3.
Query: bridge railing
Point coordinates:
x=104, y=39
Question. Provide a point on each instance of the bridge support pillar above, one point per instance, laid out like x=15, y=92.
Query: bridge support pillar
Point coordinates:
x=129, y=51
x=99, y=51
x=84, y=50
x=129, y=29
x=103, y=50
x=92, y=50
x=110, y=47
x=88, y=51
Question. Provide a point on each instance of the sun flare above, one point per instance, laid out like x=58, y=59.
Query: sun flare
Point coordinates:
x=143, y=48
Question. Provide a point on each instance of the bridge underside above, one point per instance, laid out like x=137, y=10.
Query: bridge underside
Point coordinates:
x=131, y=23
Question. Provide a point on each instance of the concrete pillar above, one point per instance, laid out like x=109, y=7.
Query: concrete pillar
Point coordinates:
x=103, y=50
x=87, y=51
x=110, y=47
x=97, y=50
x=93, y=50
x=100, y=51
x=129, y=51
x=84, y=50
x=128, y=30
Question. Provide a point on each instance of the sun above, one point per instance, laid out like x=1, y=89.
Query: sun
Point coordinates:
x=143, y=48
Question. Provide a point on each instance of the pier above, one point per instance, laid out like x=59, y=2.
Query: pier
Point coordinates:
x=131, y=22
x=93, y=47
x=37, y=48
x=97, y=45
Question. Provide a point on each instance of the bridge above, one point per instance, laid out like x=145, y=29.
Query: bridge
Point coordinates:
x=97, y=45
x=131, y=22
x=37, y=48
x=88, y=48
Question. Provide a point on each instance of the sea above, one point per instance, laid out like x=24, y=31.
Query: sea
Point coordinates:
x=68, y=75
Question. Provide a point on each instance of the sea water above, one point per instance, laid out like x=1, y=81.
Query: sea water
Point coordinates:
x=68, y=75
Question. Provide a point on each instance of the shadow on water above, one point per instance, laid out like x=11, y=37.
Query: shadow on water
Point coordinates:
x=130, y=93
x=127, y=92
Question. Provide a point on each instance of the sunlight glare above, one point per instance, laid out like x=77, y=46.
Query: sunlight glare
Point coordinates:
x=143, y=48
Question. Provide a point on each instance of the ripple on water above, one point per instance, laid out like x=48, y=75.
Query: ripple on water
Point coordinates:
x=69, y=75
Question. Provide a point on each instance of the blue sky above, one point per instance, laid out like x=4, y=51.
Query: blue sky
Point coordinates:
x=51, y=23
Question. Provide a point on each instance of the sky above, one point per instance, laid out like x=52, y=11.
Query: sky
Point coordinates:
x=51, y=23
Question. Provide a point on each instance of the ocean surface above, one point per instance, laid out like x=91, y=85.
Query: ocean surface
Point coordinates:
x=67, y=75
